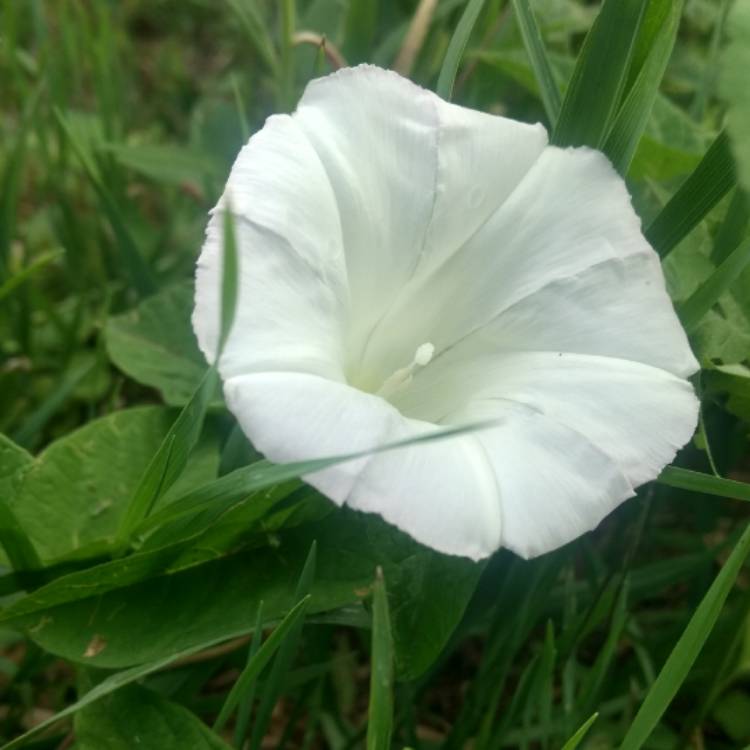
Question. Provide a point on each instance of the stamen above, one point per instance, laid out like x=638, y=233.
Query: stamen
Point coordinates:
x=403, y=376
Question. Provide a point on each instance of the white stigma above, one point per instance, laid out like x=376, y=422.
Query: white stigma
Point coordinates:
x=403, y=376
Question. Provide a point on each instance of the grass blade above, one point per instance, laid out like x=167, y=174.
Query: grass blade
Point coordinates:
x=692, y=310
x=259, y=661
x=247, y=699
x=140, y=273
x=532, y=40
x=696, y=481
x=600, y=75
x=380, y=711
x=229, y=279
x=632, y=117
x=170, y=460
x=580, y=733
x=256, y=32
x=456, y=48
x=119, y=679
x=686, y=651
x=27, y=272
x=287, y=651
x=709, y=182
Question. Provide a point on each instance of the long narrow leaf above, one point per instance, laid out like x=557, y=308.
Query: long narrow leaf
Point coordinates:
x=133, y=259
x=170, y=459
x=456, y=48
x=580, y=733
x=246, y=700
x=709, y=182
x=694, y=308
x=259, y=661
x=695, y=481
x=380, y=711
x=686, y=651
x=287, y=651
x=632, y=117
x=600, y=75
x=532, y=40
x=126, y=677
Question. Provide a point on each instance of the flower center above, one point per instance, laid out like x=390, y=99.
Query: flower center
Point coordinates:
x=403, y=376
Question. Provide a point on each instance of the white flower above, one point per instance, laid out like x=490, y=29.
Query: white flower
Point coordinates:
x=406, y=265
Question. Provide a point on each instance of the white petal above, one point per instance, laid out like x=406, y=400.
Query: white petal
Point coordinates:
x=293, y=297
x=605, y=423
x=570, y=212
x=440, y=492
x=413, y=177
x=618, y=308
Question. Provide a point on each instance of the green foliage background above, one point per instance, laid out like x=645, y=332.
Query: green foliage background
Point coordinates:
x=164, y=587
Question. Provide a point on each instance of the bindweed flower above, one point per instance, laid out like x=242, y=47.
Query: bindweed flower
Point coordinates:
x=406, y=265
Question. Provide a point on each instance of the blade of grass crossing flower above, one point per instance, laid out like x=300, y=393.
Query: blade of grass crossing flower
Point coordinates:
x=695, y=307
x=695, y=481
x=632, y=117
x=170, y=459
x=709, y=182
x=242, y=482
x=283, y=661
x=580, y=733
x=259, y=661
x=456, y=48
x=380, y=710
x=133, y=260
x=248, y=697
x=600, y=75
x=532, y=40
x=229, y=282
x=685, y=652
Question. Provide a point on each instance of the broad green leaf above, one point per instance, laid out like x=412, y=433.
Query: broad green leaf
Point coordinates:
x=154, y=344
x=702, y=190
x=109, y=685
x=686, y=650
x=632, y=118
x=532, y=39
x=734, y=89
x=260, y=659
x=170, y=459
x=136, y=717
x=723, y=335
x=695, y=481
x=600, y=75
x=456, y=48
x=380, y=710
x=74, y=492
x=693, y=310
x=14, y=461
x=172, y=611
